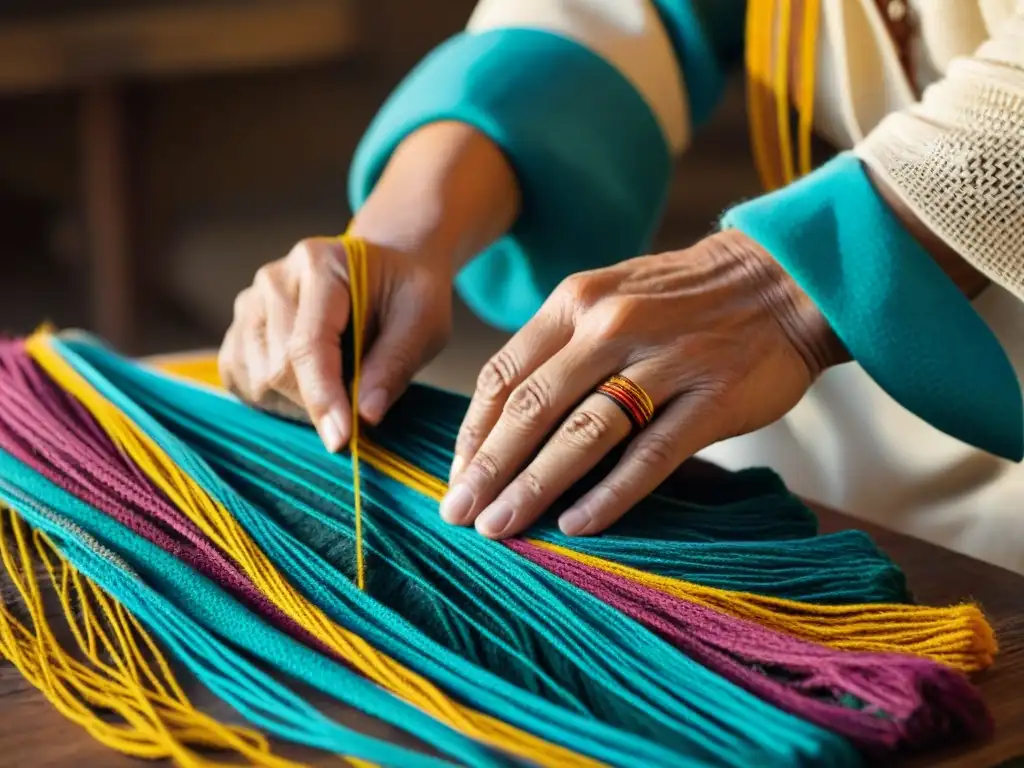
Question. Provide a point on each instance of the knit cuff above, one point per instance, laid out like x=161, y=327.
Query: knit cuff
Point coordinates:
x=591, y=159
x=898, y=314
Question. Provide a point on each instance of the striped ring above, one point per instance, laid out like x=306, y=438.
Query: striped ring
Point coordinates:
x=631, y=399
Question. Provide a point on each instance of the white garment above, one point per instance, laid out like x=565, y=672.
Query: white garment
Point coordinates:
x=852, y=447
x=848, y=444
x=628, y=34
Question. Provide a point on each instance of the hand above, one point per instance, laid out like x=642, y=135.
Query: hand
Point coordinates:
x=282, y=352
x=447, y=193
x=722, y=340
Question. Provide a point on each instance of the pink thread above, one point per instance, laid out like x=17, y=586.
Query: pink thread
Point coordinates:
x=53, y=433
x=910, y=702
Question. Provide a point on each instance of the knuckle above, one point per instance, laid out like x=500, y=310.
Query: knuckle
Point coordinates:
x=498, y=376
x=241, y=305
x=654, y=449
x=529, y=486
x=302, y=347
x=583, y=429
x=264, y=279
x=612, y=318
x=307, y=253
x=582, y=289
x=529, y=401
x=468, y=440
x=486, y=466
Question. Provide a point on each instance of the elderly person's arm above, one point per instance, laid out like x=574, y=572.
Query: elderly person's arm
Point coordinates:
x=590, y=101
x=932, y=200
x=536, y=143
x=886, y=244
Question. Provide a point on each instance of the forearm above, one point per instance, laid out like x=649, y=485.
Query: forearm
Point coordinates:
x=446, y=194
x=589, y=101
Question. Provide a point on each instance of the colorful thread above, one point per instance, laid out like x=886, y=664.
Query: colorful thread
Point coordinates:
x=630, y=397
x=585, y=658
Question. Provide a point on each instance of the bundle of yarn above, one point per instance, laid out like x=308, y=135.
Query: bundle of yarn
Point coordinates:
x=191, y=541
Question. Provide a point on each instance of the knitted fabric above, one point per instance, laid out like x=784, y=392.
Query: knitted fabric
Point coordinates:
x=600, y=667
x=957, y=158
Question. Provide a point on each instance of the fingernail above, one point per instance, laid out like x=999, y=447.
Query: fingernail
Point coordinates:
x=372, y=406
x=574, y=521
x=457, y=464
x=457, y=504
x=495, y=519
x=332, y=430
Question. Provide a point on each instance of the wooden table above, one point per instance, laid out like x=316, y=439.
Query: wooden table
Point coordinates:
x=33, y=734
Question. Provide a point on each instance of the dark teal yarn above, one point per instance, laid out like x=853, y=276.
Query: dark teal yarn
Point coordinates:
x=596, y=681
x=747, y=533
x=199, y=622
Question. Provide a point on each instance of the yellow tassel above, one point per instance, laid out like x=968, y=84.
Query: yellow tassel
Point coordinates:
x=958, y=636
x=227, y=534
x=769, y=38
x=116, y=666
x=359, y=290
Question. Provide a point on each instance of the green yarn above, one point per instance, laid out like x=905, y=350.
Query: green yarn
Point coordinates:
x=593, y=680
x=198, y=621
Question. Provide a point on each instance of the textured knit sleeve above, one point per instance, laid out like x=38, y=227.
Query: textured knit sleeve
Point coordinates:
x=589, y=100
x=957, y=159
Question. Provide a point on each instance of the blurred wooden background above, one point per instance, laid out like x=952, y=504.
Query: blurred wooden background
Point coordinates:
x=153, y=153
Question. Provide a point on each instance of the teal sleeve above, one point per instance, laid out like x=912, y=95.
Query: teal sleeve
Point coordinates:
x=592, y=164
x=707, y=36
x=898, y=314
x=591, y=160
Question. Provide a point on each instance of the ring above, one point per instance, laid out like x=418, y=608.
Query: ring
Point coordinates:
x=631, y=398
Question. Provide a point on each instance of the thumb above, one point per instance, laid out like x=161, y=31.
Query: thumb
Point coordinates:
x=407, y=341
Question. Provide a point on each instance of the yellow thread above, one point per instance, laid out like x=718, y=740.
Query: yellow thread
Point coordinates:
x=958, y=636
x=766, y=32
x=200, y=369
x=359, y=291
x=117, y=667
x=758, y=52
x=217, y=524
x=781, y=83
x=808, y=65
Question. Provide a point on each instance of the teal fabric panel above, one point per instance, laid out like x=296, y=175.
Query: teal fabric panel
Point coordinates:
x=707, y=36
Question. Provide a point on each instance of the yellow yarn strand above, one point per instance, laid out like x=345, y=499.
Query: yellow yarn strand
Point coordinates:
x=781, y=88
x=957, y=636
x=116, y=667
x=758, y=58
x=769, y=33
x=227, y=534
x=808, y=72
x=359, y=291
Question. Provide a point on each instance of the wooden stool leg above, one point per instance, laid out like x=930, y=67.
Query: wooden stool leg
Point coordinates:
x=105, y=181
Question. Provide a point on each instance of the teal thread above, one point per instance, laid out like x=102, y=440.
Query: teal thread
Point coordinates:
x=626, y=696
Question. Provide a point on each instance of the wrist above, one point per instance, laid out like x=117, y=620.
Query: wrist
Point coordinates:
x=799, y=317
x=446, y=194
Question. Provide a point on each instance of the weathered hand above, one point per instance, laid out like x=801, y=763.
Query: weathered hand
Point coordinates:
x=722, y=340
x=282, y=352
